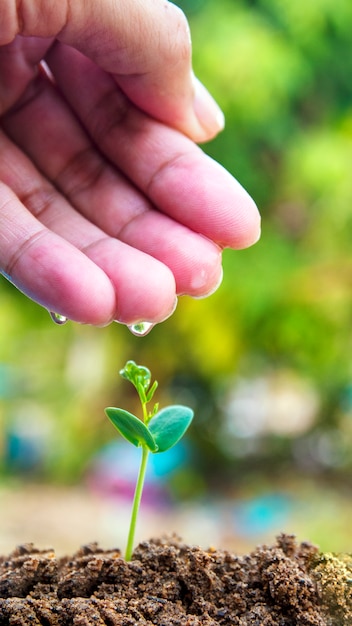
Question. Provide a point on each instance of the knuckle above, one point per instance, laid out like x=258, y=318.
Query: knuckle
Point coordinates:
x=32, y=17
x=81, y=173
x=38, y=200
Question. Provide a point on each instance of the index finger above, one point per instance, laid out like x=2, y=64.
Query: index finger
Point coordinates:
x=146, y=46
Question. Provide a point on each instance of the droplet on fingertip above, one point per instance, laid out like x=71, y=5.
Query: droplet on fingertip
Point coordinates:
x=140, y=329
x=58, y=318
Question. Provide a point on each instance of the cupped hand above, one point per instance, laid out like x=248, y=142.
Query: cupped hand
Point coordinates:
x=108, y=208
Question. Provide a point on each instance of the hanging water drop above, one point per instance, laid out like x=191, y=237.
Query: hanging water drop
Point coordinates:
x=58, y=318
x=141, y=328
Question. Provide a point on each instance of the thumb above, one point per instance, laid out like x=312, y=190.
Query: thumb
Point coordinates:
x=145, y=45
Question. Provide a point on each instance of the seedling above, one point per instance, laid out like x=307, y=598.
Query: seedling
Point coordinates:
x=157, y=431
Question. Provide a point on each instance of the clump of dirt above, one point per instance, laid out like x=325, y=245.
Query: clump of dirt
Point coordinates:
x=333, y=575
x=168, y=583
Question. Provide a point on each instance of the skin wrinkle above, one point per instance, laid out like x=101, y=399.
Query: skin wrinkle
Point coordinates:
x=38, y=201
x=123, y=231
x=4, y=210
x=116, y=108
x=22, y=20
x=67, y=20
x=13, y=28
x=8, y=223
x=84, y=170
x=138, y=211
x=167, y=165
x=73, y=169
x=39, y=197
x=31, y=92
x=31, y=21
x=94, y=244
x=120, y=233
x=22, y=249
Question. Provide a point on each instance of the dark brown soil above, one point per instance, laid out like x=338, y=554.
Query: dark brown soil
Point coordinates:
x=171, y=584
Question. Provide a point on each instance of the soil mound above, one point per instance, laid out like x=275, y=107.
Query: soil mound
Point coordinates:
x=168, y=583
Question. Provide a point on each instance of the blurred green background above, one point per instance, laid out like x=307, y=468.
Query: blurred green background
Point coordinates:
x=266, y=361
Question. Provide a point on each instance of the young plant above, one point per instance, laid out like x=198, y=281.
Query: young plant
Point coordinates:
x=157, y=431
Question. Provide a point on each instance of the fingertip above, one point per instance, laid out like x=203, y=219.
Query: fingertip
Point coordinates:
x=238, y=223
x=92, y=303
x=147, y=296
x=211, y=287
x=206, y=272
x=248, y=229
x=74, y=288
x=141, y=327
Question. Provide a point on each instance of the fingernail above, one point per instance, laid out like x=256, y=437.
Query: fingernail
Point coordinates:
x=208, y=112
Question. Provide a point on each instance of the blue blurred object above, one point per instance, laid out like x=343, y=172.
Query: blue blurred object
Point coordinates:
x=262, y=514
x=27, y=438
x=114, y=470
x=22, y=453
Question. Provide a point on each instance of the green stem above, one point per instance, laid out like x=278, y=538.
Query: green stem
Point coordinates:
x=145, y=412
x=136, y=503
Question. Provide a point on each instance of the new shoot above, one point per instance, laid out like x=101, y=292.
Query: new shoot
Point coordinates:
x=156, y=431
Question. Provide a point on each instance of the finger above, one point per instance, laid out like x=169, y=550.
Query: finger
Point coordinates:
x=144, y=45
x=139, y=288
x=47, y=131
x=40, y=264
x=167, y=167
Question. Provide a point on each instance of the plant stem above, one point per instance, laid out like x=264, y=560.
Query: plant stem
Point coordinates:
x=136, y=503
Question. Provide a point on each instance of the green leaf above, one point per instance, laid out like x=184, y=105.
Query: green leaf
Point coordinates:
x=152, y=390
x=131, y=428
x=169, y=425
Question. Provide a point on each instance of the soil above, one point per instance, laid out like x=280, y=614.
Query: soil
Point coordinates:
x=168, y=583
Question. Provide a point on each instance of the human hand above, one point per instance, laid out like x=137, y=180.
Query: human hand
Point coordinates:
x=108, y=209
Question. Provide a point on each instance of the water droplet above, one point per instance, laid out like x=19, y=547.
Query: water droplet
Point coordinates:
x=58, y=318
x=141, y=328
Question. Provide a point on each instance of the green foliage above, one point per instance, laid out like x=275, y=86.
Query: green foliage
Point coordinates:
x=158, y=431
